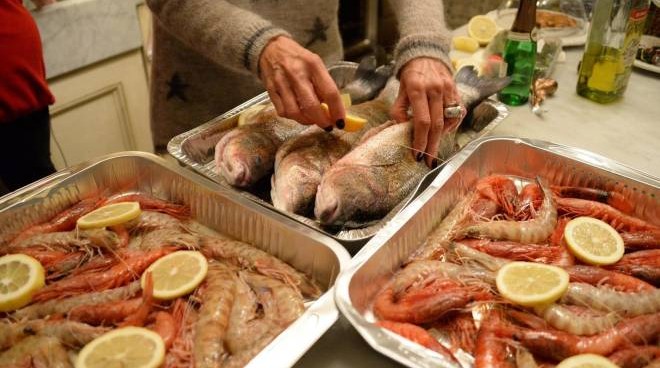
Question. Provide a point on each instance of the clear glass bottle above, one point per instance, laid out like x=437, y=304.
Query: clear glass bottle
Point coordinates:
x=614, y=33
x=520, y=55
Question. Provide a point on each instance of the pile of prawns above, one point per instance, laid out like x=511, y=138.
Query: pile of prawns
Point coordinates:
x=613, y=311
x=93, y=285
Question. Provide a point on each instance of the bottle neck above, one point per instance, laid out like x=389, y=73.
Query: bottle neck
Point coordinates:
x=526, y=17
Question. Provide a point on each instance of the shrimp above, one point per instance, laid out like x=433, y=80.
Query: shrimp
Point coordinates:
x=609, y=214
x=460, y=330
x=244, y=324
x=559, y=345
x=649, y=239
x=416, y=334
x=243, y=358
x=462, y=253
x=165, y=326
x=529, y=201
x=70, y=333
x=436, y=243
x=128, y=268
x=254, y=259
x=39, y=351
x=179, y=211
x=625, y=304
x=635, y=357
x=167, y=237
x=64, y=306
x=644, y=264
x=57, y=263
x=491, y=351
x=566, y=319
x=530, y=231
x=211, y=326
x=150, y=220
x=519, y=252
x=614, y=199
x=598, y=276
x=500, y=190
x=483, y=209
x=68, y=240
x=123, y=235
x=180, y=352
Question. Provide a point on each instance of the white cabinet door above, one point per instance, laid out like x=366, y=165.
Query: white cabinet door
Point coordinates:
x=100, y=109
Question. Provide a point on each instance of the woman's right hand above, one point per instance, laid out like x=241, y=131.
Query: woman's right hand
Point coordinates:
x=297, y=81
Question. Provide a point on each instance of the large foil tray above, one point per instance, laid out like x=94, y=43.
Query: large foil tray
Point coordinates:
x=384, y=254
x=196, y=148
x=212, y=206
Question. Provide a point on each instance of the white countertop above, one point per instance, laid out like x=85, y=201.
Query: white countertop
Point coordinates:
x=627, y=131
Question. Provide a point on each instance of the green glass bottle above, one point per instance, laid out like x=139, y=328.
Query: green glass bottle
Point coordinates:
x=520, y=55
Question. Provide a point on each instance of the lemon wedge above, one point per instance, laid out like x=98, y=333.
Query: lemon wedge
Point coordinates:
x=110, y=215
x=176, y=274
x=466, y=44
x=586, y=361
x=593, y=241
x=20, y=277
x=531, y=284
x=482, y=28
x=128, y=347
x=352, y=123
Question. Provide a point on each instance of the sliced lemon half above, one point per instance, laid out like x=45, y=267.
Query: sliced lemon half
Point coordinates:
x=593, y=241
x=482, y=28
x=465, y=44
x=587, y=361
x=128, y=347
x=20, y=277
x=110, y=215
x=531, y=284
x=176, y=274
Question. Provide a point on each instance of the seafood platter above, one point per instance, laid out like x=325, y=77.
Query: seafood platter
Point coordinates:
x=519, y=253
x=310, y=175
x=130, y=250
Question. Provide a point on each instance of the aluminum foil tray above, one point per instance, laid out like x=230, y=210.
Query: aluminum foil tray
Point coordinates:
x=212, y=206
x=195, y=149
x=384, y=254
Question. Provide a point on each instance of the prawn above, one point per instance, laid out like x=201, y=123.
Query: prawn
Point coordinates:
x=519, y=252
x=460, y=330
x=649, y=239
x=244, y=325
x=254, y=259
x=614, y=199
x=68, y=241
x=180, y=352
x=531, y=231
x=463, y=254
x=635, y=357
x=617, y=219
x=167, y=237
x=166, y=326
x=70, y=333
x=57, y=263
x=500, y=190
x=150, y=220
x=598, y=276
x=38, y=351
x=417, y=335
x=644, y=264
x=491, y=351
x=566, y=319
x=149, y=203
x=529, y=201
x=625, y=304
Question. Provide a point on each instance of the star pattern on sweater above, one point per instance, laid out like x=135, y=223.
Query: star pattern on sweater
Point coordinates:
x=318, y=32
x=177, y=88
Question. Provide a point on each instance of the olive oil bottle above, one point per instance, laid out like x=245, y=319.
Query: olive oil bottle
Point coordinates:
x=614, y=34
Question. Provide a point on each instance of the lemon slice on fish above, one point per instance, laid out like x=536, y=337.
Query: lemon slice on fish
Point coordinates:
x=110, y=215
x=531, y=284
x=593, y=241
x=482, y=28
x=587, y=361
x=177, y=274
x=128, y=347
x=20, y=277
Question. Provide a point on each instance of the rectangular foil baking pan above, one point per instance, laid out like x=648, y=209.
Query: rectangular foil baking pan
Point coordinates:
x=195, y=149
x=384, y=254
x=212, y=206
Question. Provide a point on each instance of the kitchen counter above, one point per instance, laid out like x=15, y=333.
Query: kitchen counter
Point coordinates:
x=627, y=131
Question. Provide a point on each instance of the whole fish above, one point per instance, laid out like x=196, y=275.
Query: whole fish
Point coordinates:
x=302, y=160
x=379, y=173
x=246, y=154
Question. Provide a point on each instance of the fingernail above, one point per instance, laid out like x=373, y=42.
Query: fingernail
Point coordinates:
x=340, y=124
x=419, y=156
x=328, y=129
x=434, y=163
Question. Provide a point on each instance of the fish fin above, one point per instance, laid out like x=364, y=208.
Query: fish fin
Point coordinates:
x=368, y=80
x=367, y=65
x=474, y=89
x=375, y=130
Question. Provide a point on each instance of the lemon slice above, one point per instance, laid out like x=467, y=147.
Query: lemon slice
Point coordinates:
x=466, y=44
x=247, y=116
x=587, y=361
x=110, y=215
x=128, y=347
x=593, y=241
x=20, y=277
x=531, y=284
x=482, y=28
x=177, y=274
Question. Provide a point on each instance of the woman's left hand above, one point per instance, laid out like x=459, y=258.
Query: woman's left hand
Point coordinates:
x=427, y=87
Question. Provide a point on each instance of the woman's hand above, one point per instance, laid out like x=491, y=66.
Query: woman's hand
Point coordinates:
x=297, y=82
x=427, y=87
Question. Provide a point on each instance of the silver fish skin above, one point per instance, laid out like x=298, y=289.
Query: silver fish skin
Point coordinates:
x=301, y=161
x=379, y=173
x=246, y=154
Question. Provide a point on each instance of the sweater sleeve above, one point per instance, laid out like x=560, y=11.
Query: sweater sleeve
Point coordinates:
x=422, y=32
x=227, y=34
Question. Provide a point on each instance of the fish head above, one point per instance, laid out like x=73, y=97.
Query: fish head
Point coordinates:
x=243, y=157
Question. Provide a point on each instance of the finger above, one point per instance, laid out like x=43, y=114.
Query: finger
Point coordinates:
x=288, y=98
x=326, y=89
x=399, y=110
x=452, y=123
x=275, y=98
x=309, y=104
x=436, y=106
x=421, y=121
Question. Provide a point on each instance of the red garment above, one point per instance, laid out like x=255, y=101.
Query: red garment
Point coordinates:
x=23, y=87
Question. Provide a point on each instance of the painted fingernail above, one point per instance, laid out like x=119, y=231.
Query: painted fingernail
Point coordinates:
x=328, y=129
x=434, y=163
x=419, y=156
x=340, y=124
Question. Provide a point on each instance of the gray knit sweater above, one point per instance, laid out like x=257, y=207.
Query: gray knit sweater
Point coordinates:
x=206, y=52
